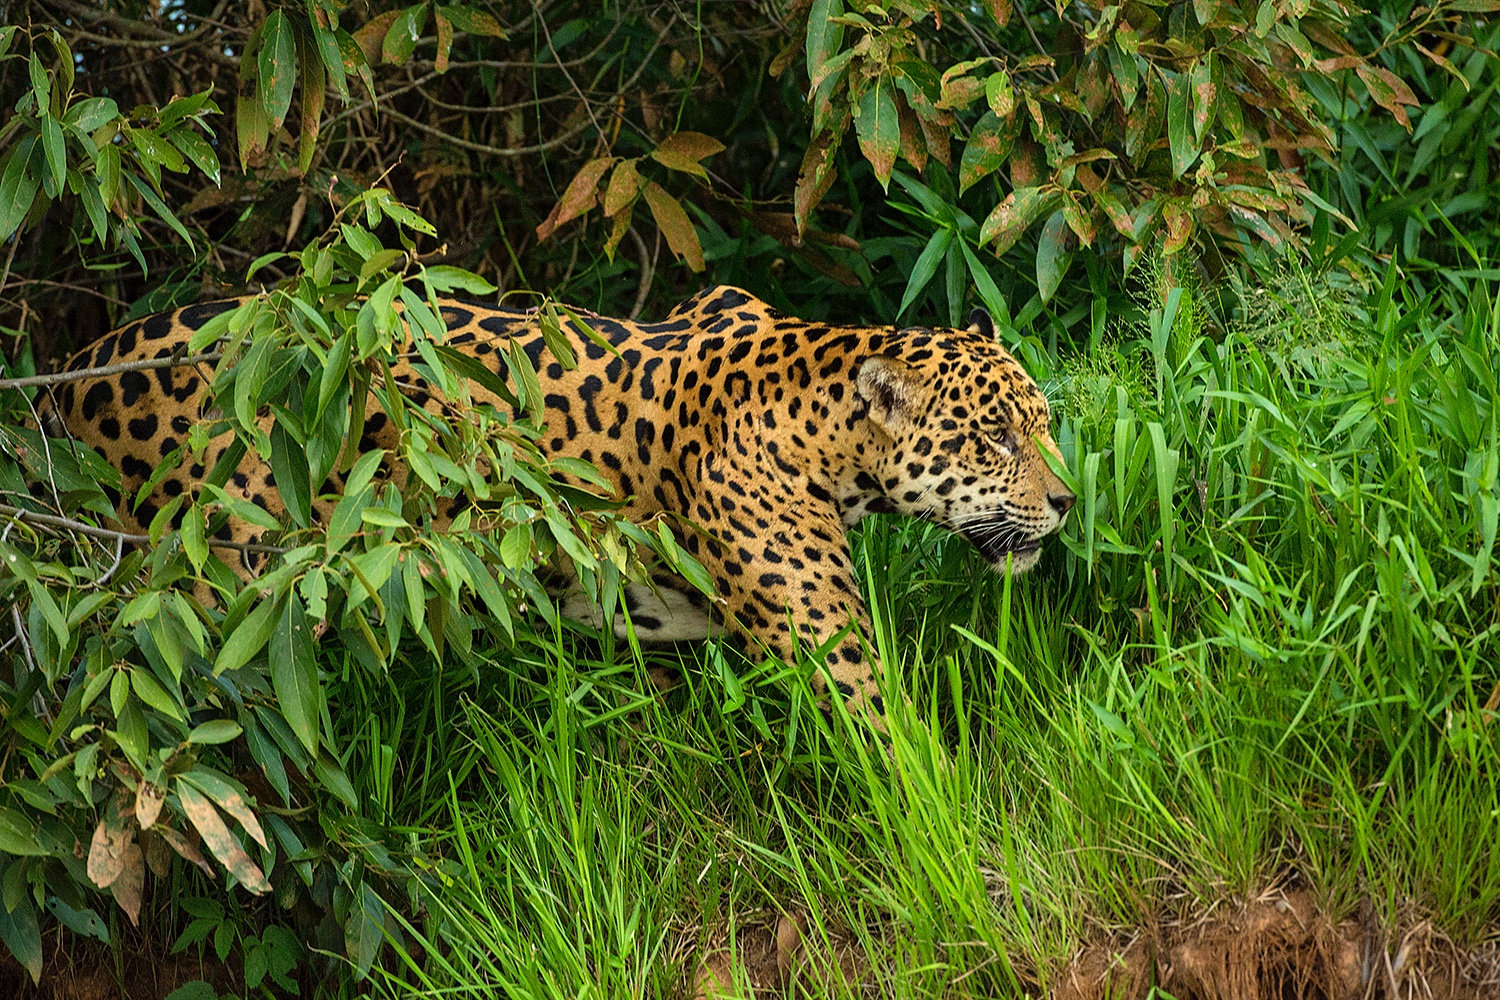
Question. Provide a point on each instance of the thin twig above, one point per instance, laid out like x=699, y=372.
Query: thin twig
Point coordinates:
x=65, y=286
x=110, y=535
x=57, y=378
x=648, y=272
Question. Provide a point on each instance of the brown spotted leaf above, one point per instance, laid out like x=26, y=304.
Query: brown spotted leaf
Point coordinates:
x=148, y=801
x=314, y=93
x=1389, y=91
x=988, y=146
x=277, y=65
x=999, y=10
x=1143, y=124
x=127, y=888
x=1080, y=220
x=228, y=798
x=1114, y=211
x=879, y=129
x=818, y=173
x=372, y=33
x=1442, y=61
x=444, y=40
x=617, y=233
x=158, y=854
x=913, y=143
x=186, y=848
x=624, y=185
x=1179, y=222
x=1200, y=78
x=580, y=196
x=684, y=151
x=682, y=238
x=472, y=20
x=218, y=838
x=1012, y=217
x=107, y=851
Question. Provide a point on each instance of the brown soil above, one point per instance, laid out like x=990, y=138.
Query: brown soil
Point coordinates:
x=86, y=971
x=1278, y=947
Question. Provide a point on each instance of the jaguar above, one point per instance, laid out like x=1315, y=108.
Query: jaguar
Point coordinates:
x=773, y=435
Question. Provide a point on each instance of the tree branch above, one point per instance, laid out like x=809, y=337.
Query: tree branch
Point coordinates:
x=57, y=378
x=110, y=535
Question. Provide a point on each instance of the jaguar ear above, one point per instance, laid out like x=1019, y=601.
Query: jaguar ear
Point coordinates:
x=981, y=323
x=893, y=389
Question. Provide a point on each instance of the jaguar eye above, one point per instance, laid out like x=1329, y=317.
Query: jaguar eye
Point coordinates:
x=1005, y=440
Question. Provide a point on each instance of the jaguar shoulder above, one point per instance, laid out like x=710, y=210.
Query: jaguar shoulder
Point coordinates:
x=774, y=435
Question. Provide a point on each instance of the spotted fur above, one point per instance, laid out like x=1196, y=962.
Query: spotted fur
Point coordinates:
x=772, y=434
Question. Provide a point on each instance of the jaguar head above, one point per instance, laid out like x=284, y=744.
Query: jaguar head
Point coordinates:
x=960, y=430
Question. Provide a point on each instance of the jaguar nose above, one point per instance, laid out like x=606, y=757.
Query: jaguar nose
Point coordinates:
x=1062, y=502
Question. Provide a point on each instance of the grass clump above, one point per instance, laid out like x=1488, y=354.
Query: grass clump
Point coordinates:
x=1261, y=665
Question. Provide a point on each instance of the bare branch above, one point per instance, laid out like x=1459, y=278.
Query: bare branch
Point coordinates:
x=57, y=378
x=110, y=535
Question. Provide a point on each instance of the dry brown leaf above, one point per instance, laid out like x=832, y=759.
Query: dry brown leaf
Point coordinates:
x=580, y=196
x=682, y=238
x=683, y=151
x=107, y=851
x=186, y=848
x=148, y=801
x=218, y=838
x=127, y=888
x=789, y=930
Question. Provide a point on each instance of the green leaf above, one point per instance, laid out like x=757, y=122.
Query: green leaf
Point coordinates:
x=1052, y=255
x=22, y=935
x=985, y=285
x=195, y=990
x=215, y=731
x=56, y=149
x=446, y=278
x=926, y=267
x=18, y=835
x=277, y=63
x=84, y=921
x=335, y=780
x=1180, y=138
x=43, y=599
x=153, y=694
x=364, y=930
x=161, y=209
x=18, y=187
x=289, y=466
x=249, y=637
x=294, y=671
x=196, y=148
x=402, y=36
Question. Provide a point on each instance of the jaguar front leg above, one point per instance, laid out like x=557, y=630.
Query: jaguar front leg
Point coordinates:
x=795, y=585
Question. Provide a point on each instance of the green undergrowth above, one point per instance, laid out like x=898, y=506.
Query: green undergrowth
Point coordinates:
x=1262, y=655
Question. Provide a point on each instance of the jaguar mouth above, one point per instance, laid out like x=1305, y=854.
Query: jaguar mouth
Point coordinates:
x=1021, y=554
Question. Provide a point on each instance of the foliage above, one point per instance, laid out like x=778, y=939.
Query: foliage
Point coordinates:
x=60, y=142
x=1263, y=661
x=134, y=683
x=1277, y=570
x=1184, y=123
x=1399, y=185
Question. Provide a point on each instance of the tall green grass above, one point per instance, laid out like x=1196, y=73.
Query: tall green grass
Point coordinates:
x=1263, y=654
